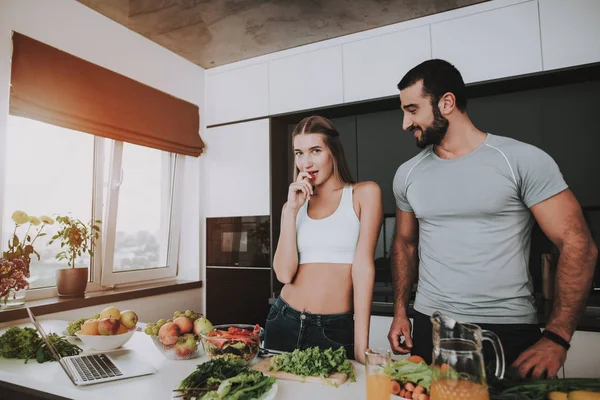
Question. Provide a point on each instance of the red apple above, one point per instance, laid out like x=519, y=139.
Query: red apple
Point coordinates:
x=168, y=334
x=108, y=326
x=184, y=324
x=187, y=347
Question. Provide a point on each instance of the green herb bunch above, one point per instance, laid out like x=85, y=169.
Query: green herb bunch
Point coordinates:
x=314, y=362
x=25, y=343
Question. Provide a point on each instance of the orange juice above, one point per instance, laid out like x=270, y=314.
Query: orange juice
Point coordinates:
x=449, y=389
x=378, y=387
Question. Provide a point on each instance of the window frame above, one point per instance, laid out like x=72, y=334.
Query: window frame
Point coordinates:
x=102, y=276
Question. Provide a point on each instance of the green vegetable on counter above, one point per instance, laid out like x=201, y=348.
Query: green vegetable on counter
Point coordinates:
x=538, y=390
x=314, y=362
x=225, y=379
x=406, y=371
x=25, y=343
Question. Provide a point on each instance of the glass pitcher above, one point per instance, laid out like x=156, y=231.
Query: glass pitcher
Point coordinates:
x=458, y=370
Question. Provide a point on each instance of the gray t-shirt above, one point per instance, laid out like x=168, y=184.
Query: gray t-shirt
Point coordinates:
x=475, y=227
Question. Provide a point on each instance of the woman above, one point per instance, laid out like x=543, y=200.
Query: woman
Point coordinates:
x=325, y=255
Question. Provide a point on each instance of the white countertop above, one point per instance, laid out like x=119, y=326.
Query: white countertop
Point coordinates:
x=49, y=377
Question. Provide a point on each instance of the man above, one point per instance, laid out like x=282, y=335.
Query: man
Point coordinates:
x=466, y=206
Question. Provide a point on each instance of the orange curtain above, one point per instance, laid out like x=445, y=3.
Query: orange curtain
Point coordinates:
x=58, y=88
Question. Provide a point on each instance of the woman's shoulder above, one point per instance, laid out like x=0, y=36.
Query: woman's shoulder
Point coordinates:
x=366, y=189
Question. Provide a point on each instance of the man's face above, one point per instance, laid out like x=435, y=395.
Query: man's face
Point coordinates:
x=426, y=122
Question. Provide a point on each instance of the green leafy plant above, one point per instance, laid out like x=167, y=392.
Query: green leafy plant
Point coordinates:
x=76, y=238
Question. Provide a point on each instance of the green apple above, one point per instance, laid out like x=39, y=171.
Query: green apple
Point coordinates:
x=202, y=325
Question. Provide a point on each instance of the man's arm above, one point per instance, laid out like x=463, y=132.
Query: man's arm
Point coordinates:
x=561, y=219
x=404, y=271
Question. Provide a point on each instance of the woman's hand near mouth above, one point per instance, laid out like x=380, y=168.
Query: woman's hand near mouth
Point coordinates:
x=300, y=191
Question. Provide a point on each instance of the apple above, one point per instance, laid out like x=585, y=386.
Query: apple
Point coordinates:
x=110, y=312
x=185, y=347
x=184, y=324
x=202, y=325
x=90, y=327
x=108, y=326
x=168, y=334
x=122, y=329
x=129, y=319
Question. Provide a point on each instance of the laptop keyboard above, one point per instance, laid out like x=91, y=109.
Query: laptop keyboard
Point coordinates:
x=94, y=367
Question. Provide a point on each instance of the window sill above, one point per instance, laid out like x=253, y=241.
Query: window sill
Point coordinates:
x=58, y=304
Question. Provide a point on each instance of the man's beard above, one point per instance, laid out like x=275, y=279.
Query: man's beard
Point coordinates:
x=433, y=134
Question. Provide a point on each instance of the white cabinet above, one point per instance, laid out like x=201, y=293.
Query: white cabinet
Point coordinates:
x=373, y=67
x=236, y=170
x=583, y=358
x=493, y=44
x=308, y=80
x=238, y=94
x=570, y=32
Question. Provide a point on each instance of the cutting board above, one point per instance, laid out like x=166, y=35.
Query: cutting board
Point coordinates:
x=337, y=378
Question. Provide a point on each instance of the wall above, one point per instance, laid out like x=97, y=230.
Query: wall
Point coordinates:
x=78, y=30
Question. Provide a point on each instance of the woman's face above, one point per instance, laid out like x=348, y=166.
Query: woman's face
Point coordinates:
x=313, y=156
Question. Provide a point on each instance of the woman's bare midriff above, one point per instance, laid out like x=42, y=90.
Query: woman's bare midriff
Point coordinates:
x=321, y=288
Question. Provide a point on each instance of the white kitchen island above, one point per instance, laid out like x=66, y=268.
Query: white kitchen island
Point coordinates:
x=50, y=378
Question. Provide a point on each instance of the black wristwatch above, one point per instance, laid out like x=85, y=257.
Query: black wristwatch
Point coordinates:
x=556, y=338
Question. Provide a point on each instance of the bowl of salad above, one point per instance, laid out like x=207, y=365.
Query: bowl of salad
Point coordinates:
x=233, y=342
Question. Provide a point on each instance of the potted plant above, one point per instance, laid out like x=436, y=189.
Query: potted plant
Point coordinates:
x=76, y=239
x=15, y=261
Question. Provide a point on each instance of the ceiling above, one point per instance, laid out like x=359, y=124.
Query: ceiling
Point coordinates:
x=217, y=32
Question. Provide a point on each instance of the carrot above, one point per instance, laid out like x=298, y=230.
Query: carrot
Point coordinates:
x=418, y=390
x=395, y=386
x=409, y=386
x=416, y=359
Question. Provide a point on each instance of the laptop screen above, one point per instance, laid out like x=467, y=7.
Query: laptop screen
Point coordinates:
x=43, y=334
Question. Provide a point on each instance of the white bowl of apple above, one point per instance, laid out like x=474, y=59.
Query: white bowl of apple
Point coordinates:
x=178, y=339
x=112, y=330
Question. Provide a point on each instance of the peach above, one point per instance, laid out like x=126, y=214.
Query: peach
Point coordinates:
x=122, y=329
x=108, y=326
x=168, y=334
x=184, y=324
x=90, y=327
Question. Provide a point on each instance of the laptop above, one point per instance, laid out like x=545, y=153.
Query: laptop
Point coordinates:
x=99, y=367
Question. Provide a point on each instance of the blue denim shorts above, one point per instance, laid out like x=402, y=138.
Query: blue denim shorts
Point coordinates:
x=288, y=329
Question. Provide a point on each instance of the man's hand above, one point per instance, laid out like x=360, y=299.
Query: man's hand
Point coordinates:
x=543, y=359
x=400, y=328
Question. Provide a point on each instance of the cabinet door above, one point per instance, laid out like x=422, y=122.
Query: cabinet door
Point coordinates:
x=236, y=170
x=570, y=32
x=237, y=95
x=305, y=81
x=516, y=115
x=492, y=44
x=237, y=296
x=373, y=67
x=382, y=147
x=570, y=126
x=583, y=358
x=347, y=128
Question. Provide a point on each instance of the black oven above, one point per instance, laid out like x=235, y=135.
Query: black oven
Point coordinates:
x=238, y=242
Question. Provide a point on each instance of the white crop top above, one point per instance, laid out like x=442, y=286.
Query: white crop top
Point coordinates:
x=328, y=240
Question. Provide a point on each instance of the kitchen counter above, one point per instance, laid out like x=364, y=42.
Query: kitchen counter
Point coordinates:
x=51, y=382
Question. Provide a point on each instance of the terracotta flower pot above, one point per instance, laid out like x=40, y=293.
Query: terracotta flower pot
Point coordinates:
x=71, y=281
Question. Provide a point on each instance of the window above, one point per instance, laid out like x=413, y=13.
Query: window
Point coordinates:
x=47, y=170
x=132, y=189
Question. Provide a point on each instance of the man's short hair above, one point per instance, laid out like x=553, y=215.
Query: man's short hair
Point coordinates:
x=439, y=77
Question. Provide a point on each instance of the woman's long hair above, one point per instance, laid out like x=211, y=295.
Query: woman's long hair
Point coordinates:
x=317, y=124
